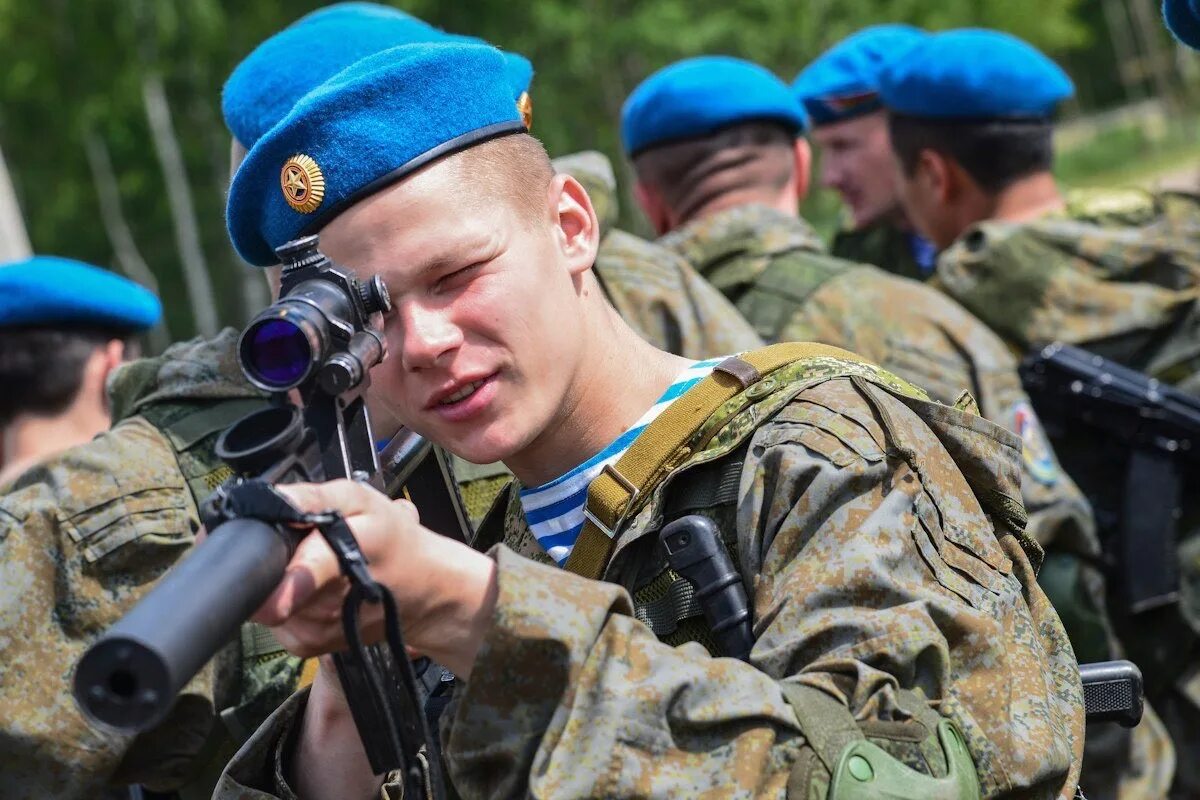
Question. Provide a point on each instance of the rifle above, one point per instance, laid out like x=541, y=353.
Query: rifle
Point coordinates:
x=1147, y=436
x=319, y=339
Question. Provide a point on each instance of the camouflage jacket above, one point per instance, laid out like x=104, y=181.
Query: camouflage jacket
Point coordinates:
x=772, y=267
x=1125, y=291
x=883, y=245
x=876, y=576
x=83, y=536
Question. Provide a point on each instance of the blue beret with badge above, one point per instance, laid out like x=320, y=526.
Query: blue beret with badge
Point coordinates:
x=370, y=125
x=843, y=82
x=46, y=291
x=699, y=96
x=285, y=67
x=1183, y=21
x=974, y=74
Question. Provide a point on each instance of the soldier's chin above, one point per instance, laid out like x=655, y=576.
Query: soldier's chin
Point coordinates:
x=481, y=448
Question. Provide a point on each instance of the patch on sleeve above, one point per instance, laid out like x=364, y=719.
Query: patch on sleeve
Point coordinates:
x=1035, y=450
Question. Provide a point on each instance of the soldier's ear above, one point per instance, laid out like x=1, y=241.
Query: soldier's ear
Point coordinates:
x=936, y=175
x=653, y=206
x=802, y=158
x=578, y=228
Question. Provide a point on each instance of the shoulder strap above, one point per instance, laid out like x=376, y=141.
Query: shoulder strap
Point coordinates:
x=621, y=489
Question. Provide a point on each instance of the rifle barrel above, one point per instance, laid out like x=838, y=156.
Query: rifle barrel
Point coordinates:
x=129, y=678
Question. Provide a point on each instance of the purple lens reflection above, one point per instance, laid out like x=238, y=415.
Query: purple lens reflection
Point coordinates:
x=279, y=353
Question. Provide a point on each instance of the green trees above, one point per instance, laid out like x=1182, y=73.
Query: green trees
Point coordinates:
x=110, y=109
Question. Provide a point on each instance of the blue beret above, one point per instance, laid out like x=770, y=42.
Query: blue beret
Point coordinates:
x=48, y=291
x=974, y=74
x=288, y=65
x=698, y=96
x=370, y=125
x=1183, y=20
x=843, y=82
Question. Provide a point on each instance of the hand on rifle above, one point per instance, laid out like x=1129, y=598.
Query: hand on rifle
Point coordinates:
x=444, y=590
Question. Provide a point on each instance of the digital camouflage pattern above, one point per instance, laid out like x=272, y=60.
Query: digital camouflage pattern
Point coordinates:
x=1117, y=273
x=873, y=569
x=658, y=294
x=82, y=538
x=1127, y=293
x=883, y=245
x=771, y=265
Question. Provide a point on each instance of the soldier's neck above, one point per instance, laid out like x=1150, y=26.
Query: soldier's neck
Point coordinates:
x=1028, y=199
x=31, y=439
x=783, y=201
x=621, y=377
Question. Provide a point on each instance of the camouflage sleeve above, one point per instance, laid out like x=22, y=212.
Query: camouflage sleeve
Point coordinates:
x=928, y=339
x=875, y=570
x=81, y=539
x=668, y=302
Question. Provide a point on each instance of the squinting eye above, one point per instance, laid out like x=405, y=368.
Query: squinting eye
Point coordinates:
x=457, y=278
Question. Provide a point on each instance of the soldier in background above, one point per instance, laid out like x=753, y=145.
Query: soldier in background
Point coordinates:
x=970, y=124
x=840, y=92
x=654, y=290
x=66, y=326
x=725, y=191
x=83, y=536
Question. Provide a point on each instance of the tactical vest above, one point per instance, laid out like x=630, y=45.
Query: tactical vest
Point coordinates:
x=262, y=673
x=690, y=459
x=770, y=299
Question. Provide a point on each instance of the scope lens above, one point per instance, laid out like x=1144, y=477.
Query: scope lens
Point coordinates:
x=278, y=352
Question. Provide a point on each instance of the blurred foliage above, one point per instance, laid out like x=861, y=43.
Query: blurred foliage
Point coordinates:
x=75, y=68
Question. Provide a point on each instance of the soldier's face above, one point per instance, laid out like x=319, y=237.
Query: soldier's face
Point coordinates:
x=485, y=348
x=856, y=162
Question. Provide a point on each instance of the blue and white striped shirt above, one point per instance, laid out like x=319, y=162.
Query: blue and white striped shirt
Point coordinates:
x=554, y=510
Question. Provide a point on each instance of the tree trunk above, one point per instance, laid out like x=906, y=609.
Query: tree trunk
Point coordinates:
x=14, y=241
x=128, y=257
x=179, y=199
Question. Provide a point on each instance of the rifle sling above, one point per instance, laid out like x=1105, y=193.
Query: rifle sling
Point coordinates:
x=622, y=489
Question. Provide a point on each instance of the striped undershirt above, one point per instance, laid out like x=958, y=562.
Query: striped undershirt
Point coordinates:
x=554, y=510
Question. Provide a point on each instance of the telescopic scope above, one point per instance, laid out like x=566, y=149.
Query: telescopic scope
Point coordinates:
x=317, y=328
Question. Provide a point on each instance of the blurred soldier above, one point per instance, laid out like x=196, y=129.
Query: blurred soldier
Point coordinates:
x=1183, y=21
x=655, y=291
x=503, y=347
x=725, y=188
x=971, y=128
x=65, y=327
x=83, y=536
x=839, y=91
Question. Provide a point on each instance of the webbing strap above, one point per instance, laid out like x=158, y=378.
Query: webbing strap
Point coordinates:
x=620, y=490
x=827, y=725
x=308, y=672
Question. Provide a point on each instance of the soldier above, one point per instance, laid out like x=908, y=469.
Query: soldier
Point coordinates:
x=655, y=291
x=970, y=125
x=83, y=536
x=1183, y=21
x=725, y=188
x=882, y=588
x=975, y=173
x=66, y=327
x=839, y=91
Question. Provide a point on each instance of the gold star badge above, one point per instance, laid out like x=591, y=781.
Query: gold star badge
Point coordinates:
x=525, y=106
x=302, y=183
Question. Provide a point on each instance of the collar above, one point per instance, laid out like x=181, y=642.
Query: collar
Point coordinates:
x=750, y=232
